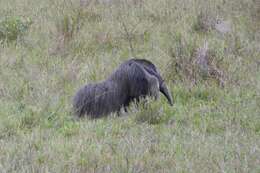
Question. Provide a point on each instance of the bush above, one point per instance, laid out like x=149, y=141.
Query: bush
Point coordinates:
x=11, y=28
x=194, y=62
x=150, y=112
x=205, y=21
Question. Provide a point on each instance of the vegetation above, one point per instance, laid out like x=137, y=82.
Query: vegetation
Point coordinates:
x=207, y=50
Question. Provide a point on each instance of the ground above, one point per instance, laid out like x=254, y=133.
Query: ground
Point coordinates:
x=207, y=51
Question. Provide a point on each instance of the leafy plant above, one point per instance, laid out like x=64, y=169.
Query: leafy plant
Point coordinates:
x=150, y=112
x=11, y=28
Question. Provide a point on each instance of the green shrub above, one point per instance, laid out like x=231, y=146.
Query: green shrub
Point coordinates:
x=11, y=28
x=150, y=112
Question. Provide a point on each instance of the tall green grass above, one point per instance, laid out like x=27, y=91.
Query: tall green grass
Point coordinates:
x=48, y=49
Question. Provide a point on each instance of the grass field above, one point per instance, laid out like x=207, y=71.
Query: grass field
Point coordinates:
x=49, y=49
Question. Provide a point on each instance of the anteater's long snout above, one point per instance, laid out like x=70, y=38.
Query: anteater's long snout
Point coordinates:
x=165, y=91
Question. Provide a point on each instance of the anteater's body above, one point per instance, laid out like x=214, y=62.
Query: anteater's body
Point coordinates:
x=132, y=80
